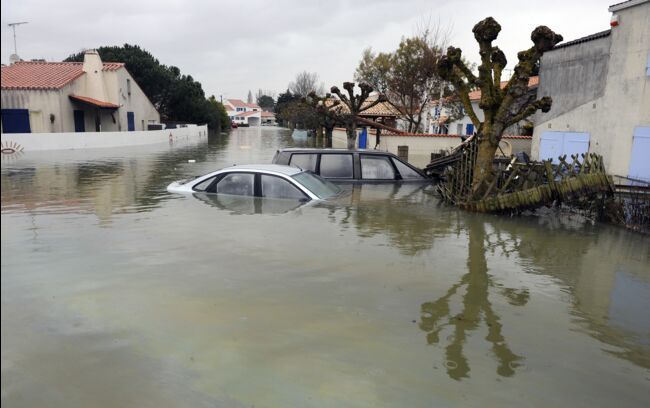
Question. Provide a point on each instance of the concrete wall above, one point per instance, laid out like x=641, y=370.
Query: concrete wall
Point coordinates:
x=42, y=103
x=90, y=140
x=605, y=101
x=421, y=146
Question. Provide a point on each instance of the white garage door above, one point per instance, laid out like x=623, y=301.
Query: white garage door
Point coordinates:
x=555, y=144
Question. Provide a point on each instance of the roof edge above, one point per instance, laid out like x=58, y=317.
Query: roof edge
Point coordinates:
x=626, y=4
x=587, y=38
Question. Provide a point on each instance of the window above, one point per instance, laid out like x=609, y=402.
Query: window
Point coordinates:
x=240, y=109
x=277, y=187
x=202, y=186
x=376, y=168
x=237, y=184
x=459, y=129
x=128, y=86
x=405, y=171
x=336, y=165
x=304, y=161
x=317, y=185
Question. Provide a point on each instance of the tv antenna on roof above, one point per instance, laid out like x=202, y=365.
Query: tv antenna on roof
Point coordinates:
x=13, y=27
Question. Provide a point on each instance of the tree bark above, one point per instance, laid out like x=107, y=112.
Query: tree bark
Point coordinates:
x=483, y=167
x=351, y=132
x=328, y=137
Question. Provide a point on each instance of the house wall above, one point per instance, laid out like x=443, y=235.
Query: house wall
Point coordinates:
x=89, y=140
x=42, y=103
x=601, y=87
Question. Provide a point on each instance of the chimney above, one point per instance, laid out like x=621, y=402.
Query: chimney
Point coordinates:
x=94, y=78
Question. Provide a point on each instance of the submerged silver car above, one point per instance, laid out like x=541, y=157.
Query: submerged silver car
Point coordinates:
x=262, y=180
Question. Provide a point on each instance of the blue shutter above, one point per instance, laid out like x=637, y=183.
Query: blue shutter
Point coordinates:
x=15, y=121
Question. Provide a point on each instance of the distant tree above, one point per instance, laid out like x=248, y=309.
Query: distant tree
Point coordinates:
x=328, y=110
x=266, y=102
x=221, y=119
x=249, y=99
x=374, y=69
x=284, y=102
x=408, y=76
x=305, y=83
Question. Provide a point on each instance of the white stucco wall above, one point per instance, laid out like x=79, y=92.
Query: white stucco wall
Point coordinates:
x=610, y=119
x=90, y=140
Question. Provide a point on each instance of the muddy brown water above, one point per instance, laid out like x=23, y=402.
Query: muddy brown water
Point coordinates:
x=116, y=293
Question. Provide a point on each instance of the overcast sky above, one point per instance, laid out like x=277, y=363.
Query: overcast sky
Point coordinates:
x=231, y=47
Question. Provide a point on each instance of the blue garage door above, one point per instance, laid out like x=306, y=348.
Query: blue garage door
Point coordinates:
x=640, y=160
x=555, y=144
x=15, y=121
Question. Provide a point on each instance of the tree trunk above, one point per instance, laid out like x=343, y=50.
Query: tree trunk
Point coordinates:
x=483, y=168
x=351, y=131
x=328, y=137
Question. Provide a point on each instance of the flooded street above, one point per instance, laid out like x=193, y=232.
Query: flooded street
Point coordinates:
x=116, y=293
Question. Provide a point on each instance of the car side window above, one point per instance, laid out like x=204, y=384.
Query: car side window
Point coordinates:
x=202, y=186
x=242, y=184
x=336, y=166
x=376, y=168
x=304, y=161
x=405, y=171
x=277, y=187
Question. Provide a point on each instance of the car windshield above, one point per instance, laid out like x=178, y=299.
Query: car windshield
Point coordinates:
x=317, y=185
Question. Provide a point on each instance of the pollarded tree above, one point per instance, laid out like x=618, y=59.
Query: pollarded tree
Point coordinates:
x=355, y=104
x=502, y=107
x=329, y=112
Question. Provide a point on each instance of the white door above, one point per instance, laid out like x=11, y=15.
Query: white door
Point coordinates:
x=640, y=159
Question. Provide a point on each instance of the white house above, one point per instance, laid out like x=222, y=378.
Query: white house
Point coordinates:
x=242, y=113
x=600, y=85
x=437, y=121
x=91, y=96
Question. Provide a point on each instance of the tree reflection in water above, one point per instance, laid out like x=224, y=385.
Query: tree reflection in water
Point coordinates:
x=476, y=308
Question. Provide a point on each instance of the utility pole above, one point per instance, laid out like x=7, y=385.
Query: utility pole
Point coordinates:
x=13, y=27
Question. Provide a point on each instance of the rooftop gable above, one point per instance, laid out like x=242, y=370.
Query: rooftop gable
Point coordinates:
x=238, y=103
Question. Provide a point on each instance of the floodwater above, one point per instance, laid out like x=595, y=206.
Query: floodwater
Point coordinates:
x=118, y=294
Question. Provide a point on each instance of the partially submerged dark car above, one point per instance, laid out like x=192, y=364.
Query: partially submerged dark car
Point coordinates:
x=353, y=166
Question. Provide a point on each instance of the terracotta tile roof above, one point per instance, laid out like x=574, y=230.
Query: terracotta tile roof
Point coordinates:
x=45, y=75
x=266, y=114
x=381, y=109
x=94, y=102
x=228, y=107
x=476, y=95
x=238, y=103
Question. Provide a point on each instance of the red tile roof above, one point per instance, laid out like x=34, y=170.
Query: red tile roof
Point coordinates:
x=238, y=103
x=476, y=95
x=228, y=107
x=94, y=102
x=266, y=114
x=45, y=75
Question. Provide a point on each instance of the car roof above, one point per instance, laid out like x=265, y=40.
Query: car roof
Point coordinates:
x=276, y=168
x=332, y=150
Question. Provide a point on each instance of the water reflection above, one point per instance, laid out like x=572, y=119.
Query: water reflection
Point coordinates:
x=249, y=205
x=477, y=284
